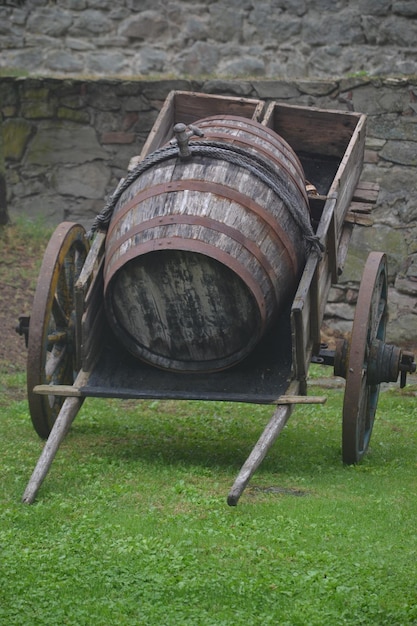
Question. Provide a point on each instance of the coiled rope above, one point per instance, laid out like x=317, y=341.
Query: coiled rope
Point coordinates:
x=256, y=164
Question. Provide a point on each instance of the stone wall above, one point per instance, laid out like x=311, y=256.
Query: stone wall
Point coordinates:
x=68, y=142
x=223, y=38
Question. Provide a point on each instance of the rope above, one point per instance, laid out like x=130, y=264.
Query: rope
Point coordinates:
x=256, y=164
x=102, y=220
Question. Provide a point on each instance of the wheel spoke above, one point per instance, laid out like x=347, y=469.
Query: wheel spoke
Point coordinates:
x=54, y=362
x=363, y=426
x=56, y=336
x=58, y=313
x=380, y=319
x=64, y=293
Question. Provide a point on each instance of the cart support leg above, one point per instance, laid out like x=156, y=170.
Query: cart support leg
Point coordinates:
x=266, y=440
x=62, y=424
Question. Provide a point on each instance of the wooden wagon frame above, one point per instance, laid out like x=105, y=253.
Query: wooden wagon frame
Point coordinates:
x=73, y=355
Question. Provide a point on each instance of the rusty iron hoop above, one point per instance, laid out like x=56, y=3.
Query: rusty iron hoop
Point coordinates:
x=370, y=321
x=52, y=346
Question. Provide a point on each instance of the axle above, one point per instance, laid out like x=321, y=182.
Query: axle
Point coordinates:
x=384, y=363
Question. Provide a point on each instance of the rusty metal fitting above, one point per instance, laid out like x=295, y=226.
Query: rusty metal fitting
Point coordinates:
x=386, y=362
x=383, y=363
x=183, y=135
x=407, y=366
x=341, y=357
x=22, y=327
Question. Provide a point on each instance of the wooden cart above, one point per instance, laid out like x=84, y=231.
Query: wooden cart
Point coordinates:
x=73, y=353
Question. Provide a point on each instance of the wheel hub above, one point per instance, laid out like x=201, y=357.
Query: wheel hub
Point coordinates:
x=384, y=363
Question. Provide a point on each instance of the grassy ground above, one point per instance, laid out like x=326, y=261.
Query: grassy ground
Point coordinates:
x=131, y=526
x=21, y=249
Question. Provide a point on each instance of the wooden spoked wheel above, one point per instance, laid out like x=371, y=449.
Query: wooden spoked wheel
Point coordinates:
x=52, y=346
x=361, y=396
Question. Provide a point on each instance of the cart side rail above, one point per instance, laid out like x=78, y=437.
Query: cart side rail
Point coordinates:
x=319, y=274
x=89, y=306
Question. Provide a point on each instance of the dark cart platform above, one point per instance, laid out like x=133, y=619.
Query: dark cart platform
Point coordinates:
x=262, y=378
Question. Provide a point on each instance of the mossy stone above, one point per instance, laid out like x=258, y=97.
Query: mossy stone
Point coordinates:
x=16, y=134
x=72, y=115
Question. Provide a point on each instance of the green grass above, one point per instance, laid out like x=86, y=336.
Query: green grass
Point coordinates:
x=131, y=526
x=22, y=244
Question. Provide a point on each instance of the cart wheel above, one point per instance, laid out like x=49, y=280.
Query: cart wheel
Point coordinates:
x=51, y=345
x=369, y=324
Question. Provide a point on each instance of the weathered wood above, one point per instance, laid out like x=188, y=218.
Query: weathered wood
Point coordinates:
x=360, y=207
x=91, y=263
x=337, y=138
x=272, y=430
x=68, y=391
x=288, y=399
x=348, y=174
x=62, y=424
x=201, y=254
x=89, y=305
x=332, y=135
x=335, y=135
x=320, y=132
x=304, y=323
x=93, y=320
x=353, y=217
x=344, y=246
x=331, y=247
x=188, y=107
x=366, y=192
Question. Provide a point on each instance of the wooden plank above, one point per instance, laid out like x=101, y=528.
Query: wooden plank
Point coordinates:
x=307, y=314
x=188, y=107
x=287, y=399
x=312, y=294
x=315, y=283
x=324, y=283
x=84, y=280
x=91, y=262
x=310, y=129
x=161, y=128
x=96, y=286
x=85, y=286
x=93, y=321
x=320, y=132
x=331, y=247
x=344, y=246
x=367, y=185
x=69, y=391
x=301, y=325
x=315, y=318
x=79, y=310
x=366, y=192
x=348, y=173
x=352, y=217
x=360, y=207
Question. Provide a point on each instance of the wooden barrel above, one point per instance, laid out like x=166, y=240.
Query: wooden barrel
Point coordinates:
x=202, y=253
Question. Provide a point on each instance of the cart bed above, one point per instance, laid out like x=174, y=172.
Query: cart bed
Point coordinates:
x=260, y=379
